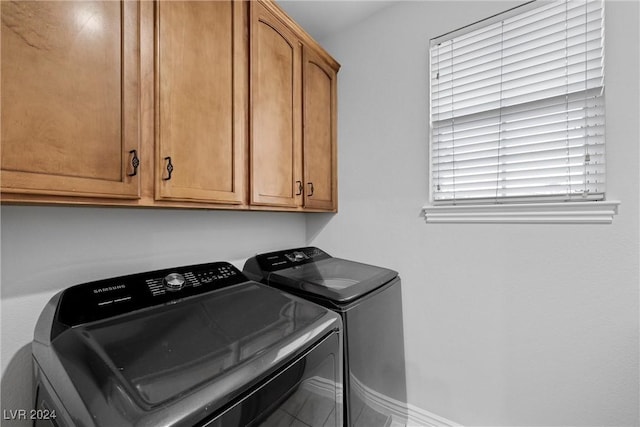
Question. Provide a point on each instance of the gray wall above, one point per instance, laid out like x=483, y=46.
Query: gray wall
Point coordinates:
x=504, y=324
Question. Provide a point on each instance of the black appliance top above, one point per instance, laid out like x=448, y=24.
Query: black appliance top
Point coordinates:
x=172, y=346
x=313, y=273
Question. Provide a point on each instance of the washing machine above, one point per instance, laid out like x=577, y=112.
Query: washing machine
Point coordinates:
x=368, y=299
x=197, y=345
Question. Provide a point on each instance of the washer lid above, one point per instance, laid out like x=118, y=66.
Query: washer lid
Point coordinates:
x=334, y=279
x=192, y=356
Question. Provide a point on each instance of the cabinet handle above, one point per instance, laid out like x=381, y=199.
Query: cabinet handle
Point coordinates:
x=135, y=162
x=310, y=184
x=300, y=188
x=169, y=169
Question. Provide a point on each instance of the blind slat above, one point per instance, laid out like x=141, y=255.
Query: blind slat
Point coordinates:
x=537, y=41
x=591, y=101
x=471, y=107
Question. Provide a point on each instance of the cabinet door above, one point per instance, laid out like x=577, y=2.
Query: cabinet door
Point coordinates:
x=319, y=134
x=276, y=177
x=70, y=98
x=201, y=101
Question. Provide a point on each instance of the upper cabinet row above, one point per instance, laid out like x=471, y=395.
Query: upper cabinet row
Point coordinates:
x=215, y=104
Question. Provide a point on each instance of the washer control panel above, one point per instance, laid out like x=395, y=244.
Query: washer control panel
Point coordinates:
x=273, y=261
x=120, y=295
x=176, y=281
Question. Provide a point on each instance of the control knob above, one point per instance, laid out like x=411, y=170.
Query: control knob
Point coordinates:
x=174, y=282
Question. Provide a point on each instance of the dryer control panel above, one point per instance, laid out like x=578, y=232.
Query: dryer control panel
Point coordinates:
x=121, y=295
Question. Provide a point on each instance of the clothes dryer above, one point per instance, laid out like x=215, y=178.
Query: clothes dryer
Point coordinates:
x=368, y=299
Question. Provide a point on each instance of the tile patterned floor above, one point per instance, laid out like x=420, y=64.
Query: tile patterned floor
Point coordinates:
x=304, y=409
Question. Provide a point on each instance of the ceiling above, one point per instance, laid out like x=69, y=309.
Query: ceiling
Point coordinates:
x=322, y=18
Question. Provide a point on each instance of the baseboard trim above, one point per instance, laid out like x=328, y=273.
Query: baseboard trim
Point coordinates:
x=420, y=417
x=401, y=412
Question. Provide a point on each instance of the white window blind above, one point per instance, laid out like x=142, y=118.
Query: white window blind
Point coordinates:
x=517, y=107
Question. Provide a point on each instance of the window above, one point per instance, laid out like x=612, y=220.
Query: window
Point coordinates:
x=517, y=108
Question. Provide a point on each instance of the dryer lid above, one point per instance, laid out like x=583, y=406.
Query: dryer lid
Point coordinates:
x=333, y=279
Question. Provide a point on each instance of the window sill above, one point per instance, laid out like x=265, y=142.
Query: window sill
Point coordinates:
x=593, y=212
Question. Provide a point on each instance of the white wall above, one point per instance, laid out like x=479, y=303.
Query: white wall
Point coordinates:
x=505, y=324
x=46, y=249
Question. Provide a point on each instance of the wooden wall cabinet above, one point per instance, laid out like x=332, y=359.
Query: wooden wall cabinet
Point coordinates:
x=70, y=90
x=319, y=135
x=293, y=115
x=190, y=104
x=276, y=105
x=201, y=101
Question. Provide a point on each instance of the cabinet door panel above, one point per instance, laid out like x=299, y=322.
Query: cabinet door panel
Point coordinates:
x=319, y=134
x=275, y=104
x=70, y=97
x=201, y=91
